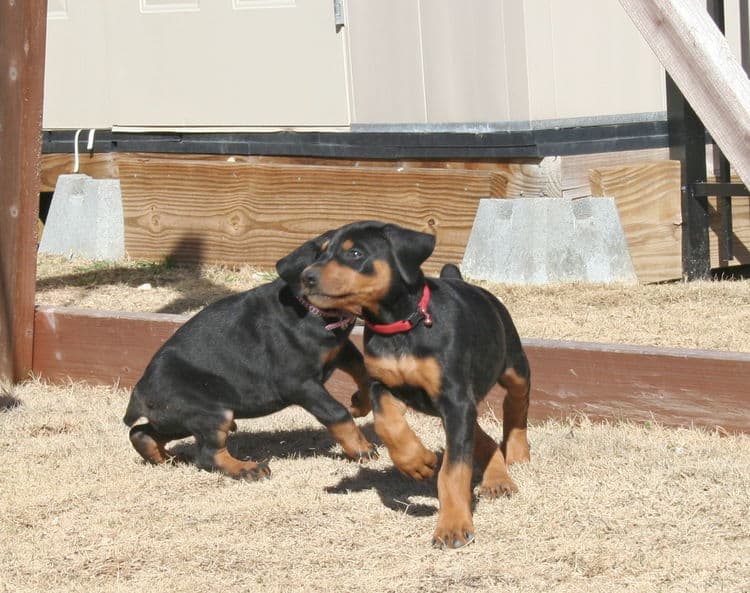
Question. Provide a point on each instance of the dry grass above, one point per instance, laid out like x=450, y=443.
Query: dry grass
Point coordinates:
x=711, y=315
x=600, y=508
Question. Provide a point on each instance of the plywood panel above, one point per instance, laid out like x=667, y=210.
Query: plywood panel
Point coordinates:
x=239, y=212
x=648, y=199
x=519, y=180
x=575, y=169
x=96, y=165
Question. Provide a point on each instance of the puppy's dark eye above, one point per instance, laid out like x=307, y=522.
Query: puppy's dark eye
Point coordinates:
x=353, y=254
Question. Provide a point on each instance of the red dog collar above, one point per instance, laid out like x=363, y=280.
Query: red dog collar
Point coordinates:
x=406, y=324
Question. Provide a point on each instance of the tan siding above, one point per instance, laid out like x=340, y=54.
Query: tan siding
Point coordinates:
x=464, y=61
x=386, y=61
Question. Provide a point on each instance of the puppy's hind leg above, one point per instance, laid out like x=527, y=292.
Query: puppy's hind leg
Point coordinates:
x=151, y=444
x=489, y=458
x=213, y=454
x=516, y=381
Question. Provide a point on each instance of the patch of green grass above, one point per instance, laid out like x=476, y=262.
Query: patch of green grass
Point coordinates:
x=95, y=266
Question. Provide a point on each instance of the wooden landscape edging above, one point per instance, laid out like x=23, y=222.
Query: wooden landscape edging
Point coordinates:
x=603, y=381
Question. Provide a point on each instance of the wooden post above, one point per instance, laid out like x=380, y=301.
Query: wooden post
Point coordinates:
x=695, y=54
x=22, y=44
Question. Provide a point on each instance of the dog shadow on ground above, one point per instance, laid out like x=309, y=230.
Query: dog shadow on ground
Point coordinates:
x=395, y=490
x=266, y=445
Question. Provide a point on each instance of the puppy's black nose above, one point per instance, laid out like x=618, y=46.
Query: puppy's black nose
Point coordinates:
x=310, y=278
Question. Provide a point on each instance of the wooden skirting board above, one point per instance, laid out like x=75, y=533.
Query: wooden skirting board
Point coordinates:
x=237, y=210
x=255, y=209
x=603, y=381
x=648, y=198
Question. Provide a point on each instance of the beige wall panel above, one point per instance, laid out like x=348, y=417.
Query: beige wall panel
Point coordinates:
x=464, y=60
x=538, y=28
x=280, y=63
x=516, y=63
x=229, y=64
x=76, y=83
x=596, y=58
x=173, y=63
x=385, y=56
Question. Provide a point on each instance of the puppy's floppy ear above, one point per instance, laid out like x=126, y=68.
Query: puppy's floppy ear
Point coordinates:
x=290, y=267
x=410, y=249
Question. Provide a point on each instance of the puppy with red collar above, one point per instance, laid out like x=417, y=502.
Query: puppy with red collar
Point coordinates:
x=436, y=345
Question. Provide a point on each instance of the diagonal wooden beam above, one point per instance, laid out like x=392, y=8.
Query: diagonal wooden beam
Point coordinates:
x=696, y=55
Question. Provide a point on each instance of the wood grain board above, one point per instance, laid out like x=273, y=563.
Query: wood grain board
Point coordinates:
x=604, y=381
x=255, y=213
x=648, y=199
x=260, y=207
x=250, y=209
x=576, y=169
x=96, y=165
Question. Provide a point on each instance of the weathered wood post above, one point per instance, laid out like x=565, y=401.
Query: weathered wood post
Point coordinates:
x=23, y=25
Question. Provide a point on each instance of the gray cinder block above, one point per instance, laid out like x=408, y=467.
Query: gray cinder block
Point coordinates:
x=546, y=240
x=85, y=218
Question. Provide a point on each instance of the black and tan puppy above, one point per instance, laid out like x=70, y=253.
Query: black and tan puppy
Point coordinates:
x=437, y=345
x=245, y=356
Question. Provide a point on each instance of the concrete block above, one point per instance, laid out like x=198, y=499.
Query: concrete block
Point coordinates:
x=547, y=240
x=85, y=218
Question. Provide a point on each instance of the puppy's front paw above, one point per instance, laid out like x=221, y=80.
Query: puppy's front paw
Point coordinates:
x=367, y=455
x=504, y=486
x=420, y=466
x=453, y=535
x=259, y=471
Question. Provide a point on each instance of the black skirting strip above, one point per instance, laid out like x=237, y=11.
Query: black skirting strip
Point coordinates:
x=378, y=145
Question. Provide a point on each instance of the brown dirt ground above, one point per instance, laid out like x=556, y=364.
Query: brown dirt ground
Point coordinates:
x=710, y=315
x=601, y=508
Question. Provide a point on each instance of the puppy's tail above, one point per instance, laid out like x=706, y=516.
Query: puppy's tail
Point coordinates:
x=451, y=271
x=136, y=408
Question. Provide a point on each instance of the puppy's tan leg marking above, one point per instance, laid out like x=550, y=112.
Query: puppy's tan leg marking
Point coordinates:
x=408, y=453
x=223, y=461
x=489, y=458
x=351, y=439
x=455, y=527
x=515, y=444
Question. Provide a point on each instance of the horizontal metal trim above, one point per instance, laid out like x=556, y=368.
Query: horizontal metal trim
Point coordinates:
x=379, y=145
